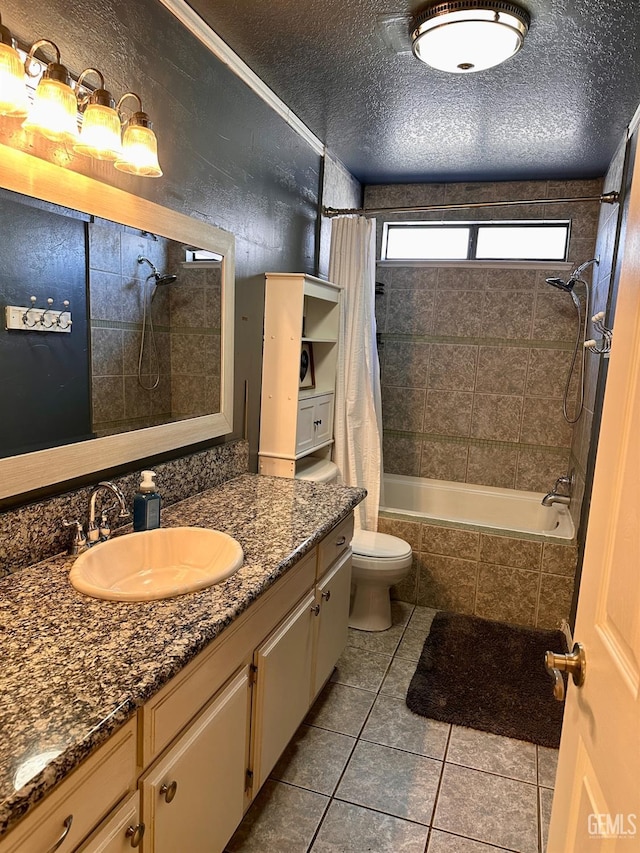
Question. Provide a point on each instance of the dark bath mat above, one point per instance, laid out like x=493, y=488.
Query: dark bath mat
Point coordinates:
x=489, y=676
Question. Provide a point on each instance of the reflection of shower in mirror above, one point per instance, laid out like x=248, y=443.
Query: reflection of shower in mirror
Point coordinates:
x=157, y=280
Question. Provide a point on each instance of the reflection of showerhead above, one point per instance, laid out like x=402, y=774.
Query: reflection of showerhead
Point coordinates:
x=160, y=279
x=169, y=278
x=567, y=286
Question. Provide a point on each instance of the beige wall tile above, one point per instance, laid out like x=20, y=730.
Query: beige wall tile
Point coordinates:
x=448, y=412
x=492, y=466
x=452, y=367
x=555, y=600
x=502, y=370
x=401, y=455
x=410, y=312
x=410, y=531
x=543, y=423
x=507, y=314
x=505, y=594
x=510, y=551
x=407, y=589
x=450, y=542
x=402, y=408
x=496, y=417
x=555, y=316
x=538, y=469
x=547, y=374
x=458, y=313
x=461, y=279
x=446, y=582
x=444, y=460
x=559, y=559
x=511, y=280
x=406, y=363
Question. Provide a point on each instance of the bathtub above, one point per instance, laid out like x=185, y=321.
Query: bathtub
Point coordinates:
x=480, y=506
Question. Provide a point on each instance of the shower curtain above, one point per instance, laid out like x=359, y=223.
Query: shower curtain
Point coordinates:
x=358, y=406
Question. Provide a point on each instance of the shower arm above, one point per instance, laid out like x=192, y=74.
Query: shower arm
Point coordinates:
x=606, y=198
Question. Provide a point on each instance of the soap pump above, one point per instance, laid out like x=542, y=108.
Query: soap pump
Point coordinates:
x=146, y=504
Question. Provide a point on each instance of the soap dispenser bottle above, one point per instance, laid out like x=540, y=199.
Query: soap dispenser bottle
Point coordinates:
x=146, y=504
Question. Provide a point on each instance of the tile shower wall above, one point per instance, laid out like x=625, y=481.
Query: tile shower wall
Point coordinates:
x=34, y=532
x=186, y=320
x=507, y=578
x=474, y=360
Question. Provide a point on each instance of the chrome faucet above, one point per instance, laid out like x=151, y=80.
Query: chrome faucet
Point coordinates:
x=561, y=492
x=96, y=532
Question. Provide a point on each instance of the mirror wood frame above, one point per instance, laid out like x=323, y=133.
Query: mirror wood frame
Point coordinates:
x=24, y=173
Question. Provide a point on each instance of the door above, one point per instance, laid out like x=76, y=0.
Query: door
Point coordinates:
x=283, y=684
x=193, y=797
x=333, y=594
x=597, y=797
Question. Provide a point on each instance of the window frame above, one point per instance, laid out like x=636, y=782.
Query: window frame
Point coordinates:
x=474, y=228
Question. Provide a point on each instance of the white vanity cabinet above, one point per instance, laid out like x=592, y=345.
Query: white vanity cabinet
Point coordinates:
x=180, y=775
x=296, y=414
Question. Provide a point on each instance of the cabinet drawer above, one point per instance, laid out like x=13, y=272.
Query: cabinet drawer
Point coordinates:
x=334, y=544
x=120, y=831
x=81, y=801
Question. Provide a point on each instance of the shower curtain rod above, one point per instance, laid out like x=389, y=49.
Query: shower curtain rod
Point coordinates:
x=606, y=198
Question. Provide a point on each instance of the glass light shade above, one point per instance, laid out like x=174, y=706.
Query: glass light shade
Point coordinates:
x=467, y=41
x=54, y=112
x=139, y=152
x=100, y=133
x=13, y=92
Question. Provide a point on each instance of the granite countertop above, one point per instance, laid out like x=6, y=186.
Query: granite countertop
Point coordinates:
x=75, y=669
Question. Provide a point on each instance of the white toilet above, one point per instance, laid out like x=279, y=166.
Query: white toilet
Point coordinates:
x=379, y=560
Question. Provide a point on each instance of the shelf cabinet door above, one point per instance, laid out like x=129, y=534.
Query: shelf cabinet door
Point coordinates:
x=306, y=428
x=333, y=596
x=208, y=766
x=283, y=682
x=323, y=419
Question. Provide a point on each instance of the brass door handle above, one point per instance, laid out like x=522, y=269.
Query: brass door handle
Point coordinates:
x=575, y=663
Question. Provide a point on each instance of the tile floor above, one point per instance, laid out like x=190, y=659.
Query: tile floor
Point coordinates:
x=363, y=773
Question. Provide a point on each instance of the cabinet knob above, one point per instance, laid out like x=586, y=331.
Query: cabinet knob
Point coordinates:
x=169, y=791
x=135, y=834
x=326, y=595
x=67, y=827
x=316, y=609
x=341, y=541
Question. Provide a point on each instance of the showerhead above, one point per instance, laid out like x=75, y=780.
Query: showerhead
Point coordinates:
x=169, y=278
x=567, y=286
x=165, y=279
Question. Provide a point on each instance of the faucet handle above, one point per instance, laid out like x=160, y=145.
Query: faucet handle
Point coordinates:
x=565, y=482
x=79, y=540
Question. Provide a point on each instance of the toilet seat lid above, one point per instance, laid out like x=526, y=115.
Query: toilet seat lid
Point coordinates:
x=370, y=544
x=316, y=470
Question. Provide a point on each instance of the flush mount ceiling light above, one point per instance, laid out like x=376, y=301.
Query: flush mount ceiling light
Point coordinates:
x=463, y=36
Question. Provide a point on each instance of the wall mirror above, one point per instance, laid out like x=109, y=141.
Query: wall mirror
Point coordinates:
x=147, y=364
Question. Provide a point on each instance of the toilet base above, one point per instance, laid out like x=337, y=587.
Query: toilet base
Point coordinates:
x=371, y=607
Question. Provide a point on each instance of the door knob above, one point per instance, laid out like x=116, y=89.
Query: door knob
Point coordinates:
x=575, y=663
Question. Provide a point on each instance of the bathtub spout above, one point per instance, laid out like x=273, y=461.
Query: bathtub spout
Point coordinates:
x=561, y=492
x=553, y=498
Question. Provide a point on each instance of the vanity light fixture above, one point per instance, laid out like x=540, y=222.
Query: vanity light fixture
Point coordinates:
x=13, y=92
x=54, y=110
x=100, y=133
x=127, y=141
x=464, y=36
x=139, y=144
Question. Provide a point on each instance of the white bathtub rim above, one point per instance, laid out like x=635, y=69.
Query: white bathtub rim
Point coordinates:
x=516, y=495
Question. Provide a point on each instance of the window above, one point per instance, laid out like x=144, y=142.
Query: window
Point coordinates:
x=476, y=241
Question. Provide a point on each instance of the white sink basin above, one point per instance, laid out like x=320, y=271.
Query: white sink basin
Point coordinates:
x=156, y=564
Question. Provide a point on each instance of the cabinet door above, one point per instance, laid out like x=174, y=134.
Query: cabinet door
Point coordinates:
x=283, y=682
x=323, y=419
x=121, y=832
x=305, y=430
x=333, y=594
x=193, y=798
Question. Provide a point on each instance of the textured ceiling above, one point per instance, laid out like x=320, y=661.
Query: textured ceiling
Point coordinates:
x=345, y=67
